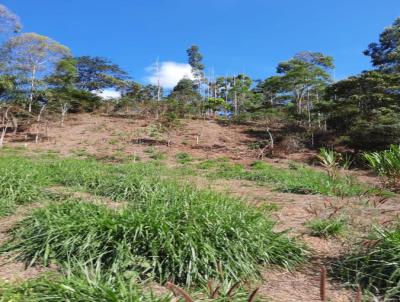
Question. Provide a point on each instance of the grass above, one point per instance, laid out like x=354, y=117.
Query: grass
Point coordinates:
x=168, y=231
x=85, y=286
x=296, y=179
x=21, y=181
x=375, y=265
x=333, y=227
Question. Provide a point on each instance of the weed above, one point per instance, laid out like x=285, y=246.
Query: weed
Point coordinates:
x=333, y=227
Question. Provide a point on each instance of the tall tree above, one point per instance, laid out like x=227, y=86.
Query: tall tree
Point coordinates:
x=63, y=85
x=31, y=56
x=185, y=94
x=305, y=72
x=195, y=59
x=386, y=53
x=9, y=22
x=96, y=73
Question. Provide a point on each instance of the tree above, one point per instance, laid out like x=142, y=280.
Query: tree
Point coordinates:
x=366, y=109
x=96, y=74
x=9, y=22
x=386, y=54
x=185, y=94
x=239, y=91
x=63, y=82
x=303, y=74
x=31, y=55
x=216, y=104
x=195, y=61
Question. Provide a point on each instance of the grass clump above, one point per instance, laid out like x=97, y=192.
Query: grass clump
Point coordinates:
x=375, y=265
x=331, y=227
x=86, y=286
x=168, y=232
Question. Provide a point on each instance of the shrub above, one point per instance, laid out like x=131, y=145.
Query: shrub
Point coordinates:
x=387, y=165
x=374, y=265
x=326, y=227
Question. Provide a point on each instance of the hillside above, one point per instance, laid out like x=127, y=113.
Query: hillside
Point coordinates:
x=211, y=154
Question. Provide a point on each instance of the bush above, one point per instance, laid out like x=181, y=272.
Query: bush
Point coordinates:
x=375, y=265
x=387, y=165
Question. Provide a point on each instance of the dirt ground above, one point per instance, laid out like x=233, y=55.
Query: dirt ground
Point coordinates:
x=113, y=138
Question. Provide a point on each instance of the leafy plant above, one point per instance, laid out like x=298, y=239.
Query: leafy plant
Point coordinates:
x=387, y=165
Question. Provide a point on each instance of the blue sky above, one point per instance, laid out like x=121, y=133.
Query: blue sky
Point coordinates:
x=234, y=35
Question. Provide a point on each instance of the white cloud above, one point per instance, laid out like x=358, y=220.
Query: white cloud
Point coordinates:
x=169, y=73
x=108, y=94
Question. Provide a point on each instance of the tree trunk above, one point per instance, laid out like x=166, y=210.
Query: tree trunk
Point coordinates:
x=32, y=89
x=38, y=123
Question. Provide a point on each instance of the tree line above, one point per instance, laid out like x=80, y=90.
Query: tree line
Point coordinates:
x=39, y=75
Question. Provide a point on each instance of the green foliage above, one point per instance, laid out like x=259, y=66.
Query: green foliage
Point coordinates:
x=216, y=104
x=365, y=108
x=387, y=165
x=96, y=73
x=374, y=265
x=332, y=227
x=386, y=53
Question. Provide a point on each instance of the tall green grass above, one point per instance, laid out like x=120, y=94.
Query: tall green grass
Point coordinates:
x=168, y=230
x=374, y=265
x=21, y=182
x=186, y=241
